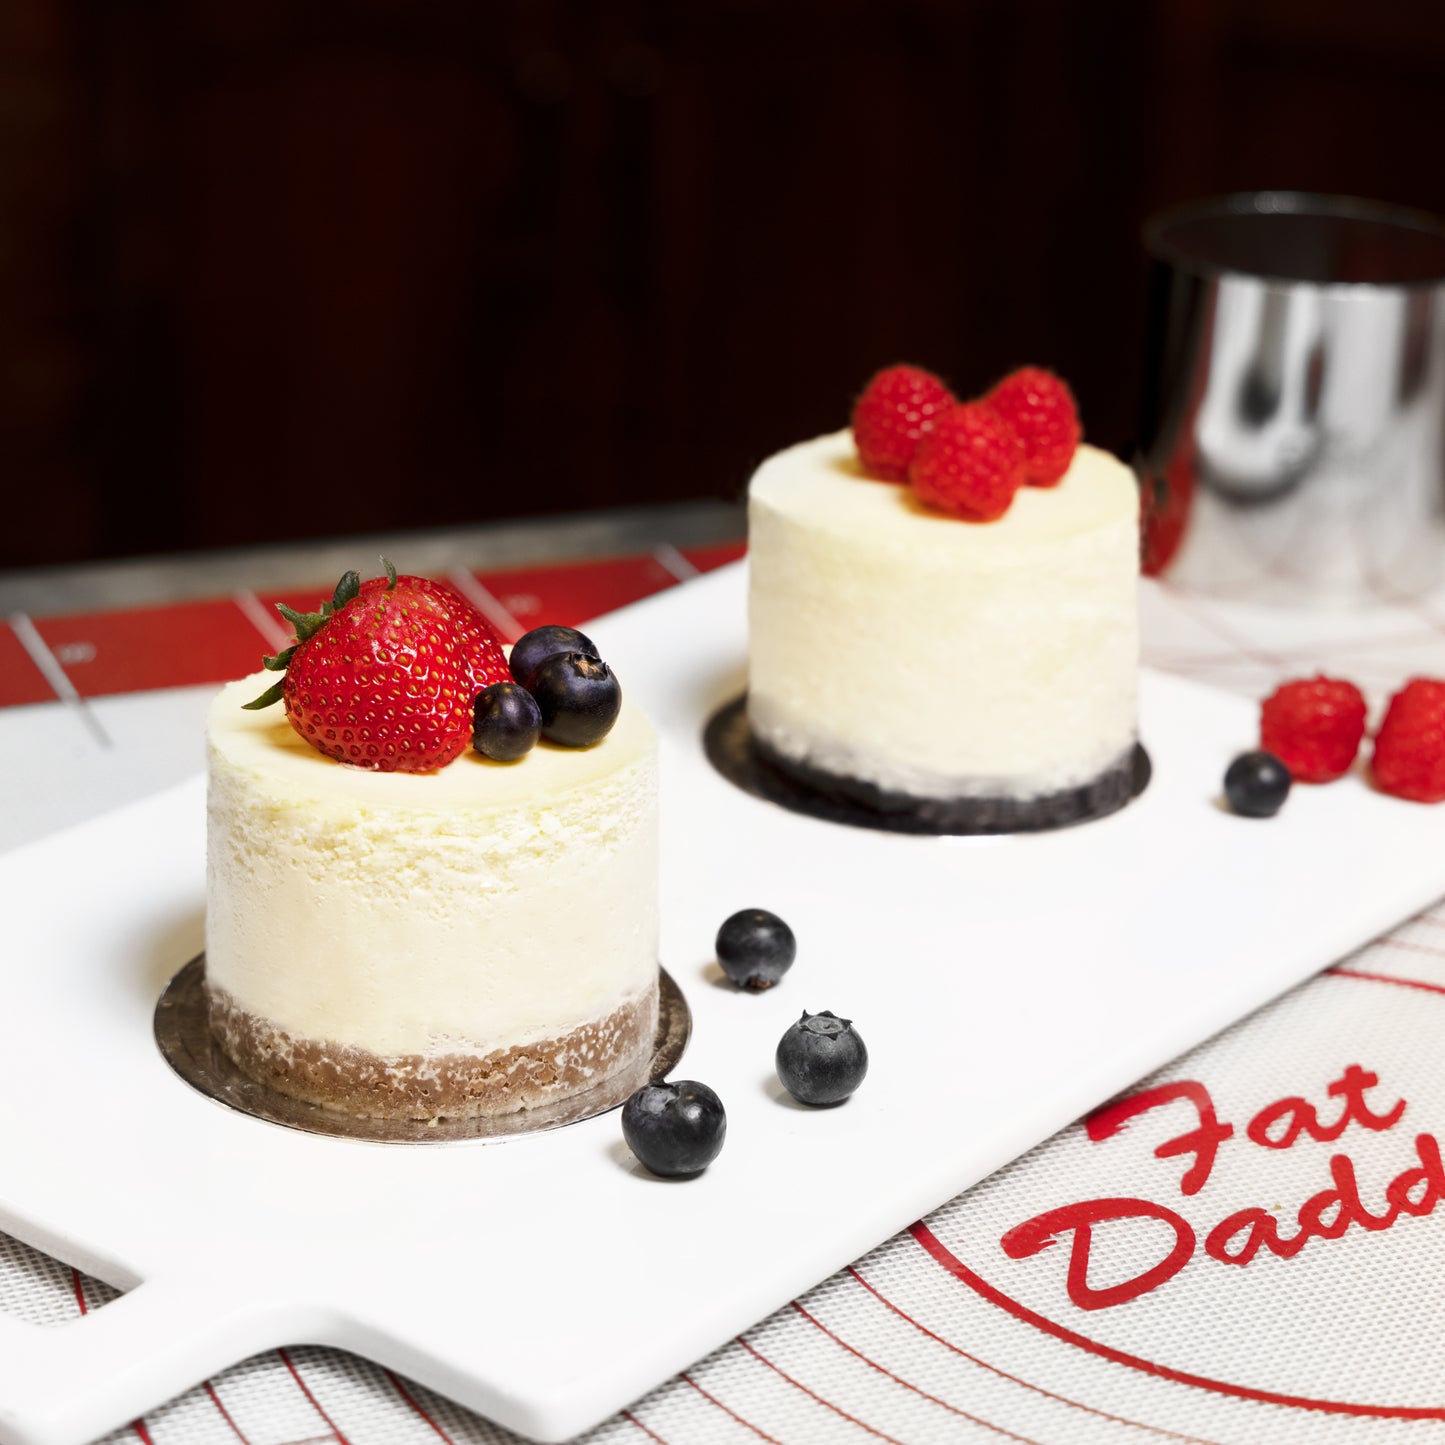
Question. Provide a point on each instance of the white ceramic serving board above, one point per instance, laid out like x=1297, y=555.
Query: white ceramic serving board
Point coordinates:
x=1003, y=985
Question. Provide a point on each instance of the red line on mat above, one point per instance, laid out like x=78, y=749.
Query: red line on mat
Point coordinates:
x=813, y=1395
x=416, y=1405
x=907, y=1385
x=1014, y=1379
x=1404, y=943
x=1201, y=613
x=1316, y=652
x=315, y=1403
x=651, y=1434
x=713, y=1400
x=947, y=1260
x=1385, y=978
x=1423, y=611
x=139, y=1425
x=225, y=1413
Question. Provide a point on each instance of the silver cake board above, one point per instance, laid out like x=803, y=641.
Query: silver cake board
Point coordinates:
x=183, y=1035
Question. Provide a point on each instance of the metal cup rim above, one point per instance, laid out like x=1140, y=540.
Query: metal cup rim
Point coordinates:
x=1157, y=242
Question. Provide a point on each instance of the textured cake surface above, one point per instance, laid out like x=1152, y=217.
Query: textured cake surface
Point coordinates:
x=484, y=922
x=932, y=657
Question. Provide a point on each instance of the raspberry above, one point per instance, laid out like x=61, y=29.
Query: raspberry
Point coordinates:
x=971, y=463
x=1409, y=756
x=1040, y=408
x=897, y=408
x=1313, y=726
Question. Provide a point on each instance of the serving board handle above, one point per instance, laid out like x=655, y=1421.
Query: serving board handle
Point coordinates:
x=70, y=1384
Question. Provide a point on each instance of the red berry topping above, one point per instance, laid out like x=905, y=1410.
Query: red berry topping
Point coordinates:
x=897, y=409
x=481, y=646
x=971, y=463
x=385, y=674
x=1313, y=726
x=1040, y=408
x=1409, y=756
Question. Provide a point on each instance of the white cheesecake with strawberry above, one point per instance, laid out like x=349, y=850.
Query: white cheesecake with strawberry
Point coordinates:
x=423, y=930
x=943, y=611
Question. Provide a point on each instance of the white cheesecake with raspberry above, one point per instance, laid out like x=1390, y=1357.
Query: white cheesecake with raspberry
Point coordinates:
x=946, y=674
x=473, y=940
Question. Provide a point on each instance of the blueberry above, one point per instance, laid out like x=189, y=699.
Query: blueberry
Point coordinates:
x=1256, y=785
x=535, y=647
x=821, y=1060
x=579, y=698
x=676, y=1129
x=506, y=722
x=756, y=948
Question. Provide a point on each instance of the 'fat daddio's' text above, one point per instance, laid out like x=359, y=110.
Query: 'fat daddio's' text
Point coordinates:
x=1239, y=1238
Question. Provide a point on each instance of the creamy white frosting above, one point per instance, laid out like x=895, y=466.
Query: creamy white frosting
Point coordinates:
x=934, y=656
x=478, y=907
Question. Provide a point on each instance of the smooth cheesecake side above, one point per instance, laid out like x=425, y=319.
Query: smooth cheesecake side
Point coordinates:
x=922, y=656
x=476, y=940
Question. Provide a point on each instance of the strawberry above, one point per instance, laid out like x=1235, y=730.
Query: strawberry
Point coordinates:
x=482, y=647
x=1313, y=726
x=384, y=675
x=1409, y=756
x=899, y=406
x=971, y=463
x=1040, y=407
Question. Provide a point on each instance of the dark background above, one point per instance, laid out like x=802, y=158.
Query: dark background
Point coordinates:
x=274, y=270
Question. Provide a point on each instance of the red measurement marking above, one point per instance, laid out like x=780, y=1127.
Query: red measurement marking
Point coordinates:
x=1385, y=978
x=651, y=1434
x=813, y=1395
x=300, y=599
x=576, y=591
x=1015, y=1379
x=78, y=1285
x=315, y=1403
x=1204, y=615
x=225, y=1413
x=718, y=554
x=946, y=1259
x=195, y=643
x=1411, y=947
x=713, y=1400
x=416, y=1405
x=178, y=646
x=907, y=1385
x=21, y=682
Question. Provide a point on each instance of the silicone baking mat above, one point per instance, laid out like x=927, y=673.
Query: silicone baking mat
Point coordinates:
x=942, y=1335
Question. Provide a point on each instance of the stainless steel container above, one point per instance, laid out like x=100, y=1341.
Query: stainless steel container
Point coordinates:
x=1292, y=445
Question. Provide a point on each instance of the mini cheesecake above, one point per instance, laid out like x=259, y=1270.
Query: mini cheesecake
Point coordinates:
x=476, y=940
x=968, y=676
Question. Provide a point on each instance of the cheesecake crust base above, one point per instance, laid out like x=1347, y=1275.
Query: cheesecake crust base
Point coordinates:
x=745, y=760
x=457, y=1085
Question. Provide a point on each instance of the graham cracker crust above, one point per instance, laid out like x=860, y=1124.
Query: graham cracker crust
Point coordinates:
x=441, y=1086
x=749, y=763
